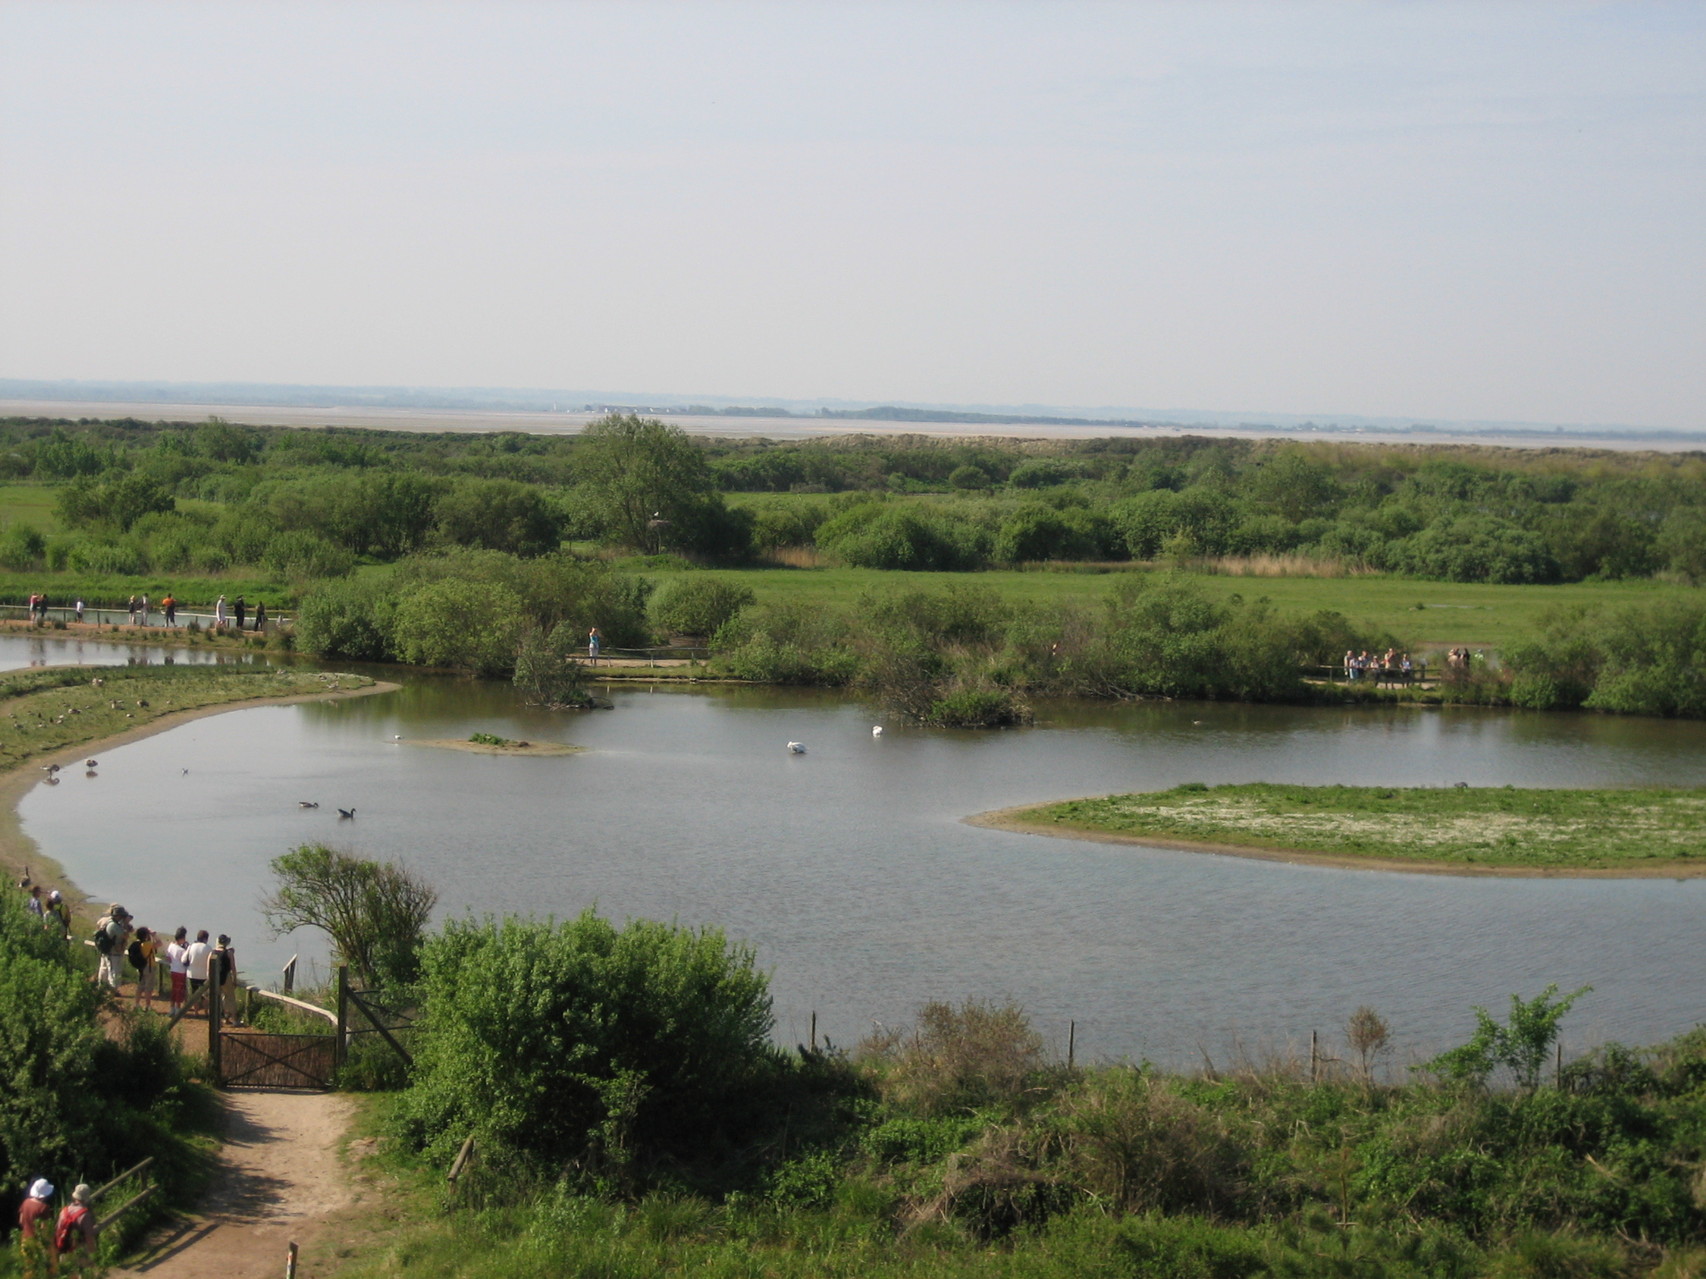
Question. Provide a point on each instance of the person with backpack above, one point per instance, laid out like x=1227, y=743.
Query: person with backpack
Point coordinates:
x=112, y=936
x=225, y=973
x=74, y=1237
x=141, y=953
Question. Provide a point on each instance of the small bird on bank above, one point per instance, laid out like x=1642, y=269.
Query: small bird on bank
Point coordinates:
x=91, y=763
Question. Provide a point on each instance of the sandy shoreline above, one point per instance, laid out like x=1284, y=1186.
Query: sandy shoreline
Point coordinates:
x=1013, y=819
x=18, y=850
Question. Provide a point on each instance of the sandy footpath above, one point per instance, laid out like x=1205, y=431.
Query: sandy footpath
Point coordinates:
x=279, y=1179
x=1014, y=819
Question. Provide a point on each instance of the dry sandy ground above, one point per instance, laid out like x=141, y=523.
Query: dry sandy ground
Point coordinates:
x=280, y=1179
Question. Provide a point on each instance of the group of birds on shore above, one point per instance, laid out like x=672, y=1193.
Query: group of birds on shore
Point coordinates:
x=52, y=771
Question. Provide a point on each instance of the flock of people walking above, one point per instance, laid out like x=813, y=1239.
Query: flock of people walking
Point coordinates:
x=227, y=615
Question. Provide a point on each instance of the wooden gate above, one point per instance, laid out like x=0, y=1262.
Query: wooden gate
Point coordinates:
x=256, y=1059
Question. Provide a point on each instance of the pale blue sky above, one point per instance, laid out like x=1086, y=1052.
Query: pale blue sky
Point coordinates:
x=1483, y=211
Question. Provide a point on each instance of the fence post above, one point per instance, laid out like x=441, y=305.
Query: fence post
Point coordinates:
x=1314, y=1053
x=343, y=1012
x=215, y=1014
x=290, y=1261
x=1071, y=1044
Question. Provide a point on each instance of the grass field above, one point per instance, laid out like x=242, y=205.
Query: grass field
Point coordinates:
x=31, y=504
x=1561, y=830
x=1420, y=613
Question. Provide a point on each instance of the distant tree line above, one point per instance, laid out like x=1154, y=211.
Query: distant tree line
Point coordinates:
x=307, y=504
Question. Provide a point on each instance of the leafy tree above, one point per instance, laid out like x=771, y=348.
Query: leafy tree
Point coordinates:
x=1522, y=1044
x=470, y=626
x=642, y=478
x=374, y=912
x=500, y=515
x=353, y=617
x=548, y=670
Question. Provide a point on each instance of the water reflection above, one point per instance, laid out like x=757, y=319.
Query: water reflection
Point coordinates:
x=851, y=872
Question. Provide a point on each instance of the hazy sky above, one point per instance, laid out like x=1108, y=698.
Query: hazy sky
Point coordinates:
x=1470, y=211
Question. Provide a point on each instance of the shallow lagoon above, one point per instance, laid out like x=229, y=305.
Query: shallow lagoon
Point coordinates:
x=850, y=871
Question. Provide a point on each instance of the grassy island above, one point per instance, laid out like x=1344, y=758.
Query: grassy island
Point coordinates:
x=1501, y=830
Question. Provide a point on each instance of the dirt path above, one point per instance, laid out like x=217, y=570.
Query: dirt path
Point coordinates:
x=280, y=1178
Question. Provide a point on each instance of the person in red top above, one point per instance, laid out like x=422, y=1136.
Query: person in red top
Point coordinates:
x=36, y=1210
x=75, y=1235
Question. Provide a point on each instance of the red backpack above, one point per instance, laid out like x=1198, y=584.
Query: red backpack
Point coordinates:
x=70, y=1227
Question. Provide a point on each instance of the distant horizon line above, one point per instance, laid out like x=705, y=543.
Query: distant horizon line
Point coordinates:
x=549, y=400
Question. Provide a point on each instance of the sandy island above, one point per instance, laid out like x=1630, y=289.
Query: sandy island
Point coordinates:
x=18, y=850
x=486, y=748
x=1014, y=819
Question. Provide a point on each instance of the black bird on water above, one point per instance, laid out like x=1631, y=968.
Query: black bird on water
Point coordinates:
x=345, y=812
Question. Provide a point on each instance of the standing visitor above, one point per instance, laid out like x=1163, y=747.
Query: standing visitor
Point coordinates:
x=239, y=610
x=260, y=616
x=169, y=606
x=143, y=608
x=132, y=607
x=79, y=609
x=34, y=905
x=196, y=960
x=594, y=642
x=112, y=933
x=35, y=1210
x=58, y=917
x=177, y=962
x=219, y=614
x=225, y=972
x=141, y=956
x=75, y=1236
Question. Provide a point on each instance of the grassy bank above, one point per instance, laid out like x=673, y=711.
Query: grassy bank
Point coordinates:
x=1504, y=829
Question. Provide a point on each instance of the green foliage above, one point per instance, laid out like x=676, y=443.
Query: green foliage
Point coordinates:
x=648, y=486
x=374, y=912
x=471, y=626
x=697, y=604
x=498, y=515
x=1522, y=1045
x=353, y=618
x=581, y=1043
x=893, y=536
x=548, y=669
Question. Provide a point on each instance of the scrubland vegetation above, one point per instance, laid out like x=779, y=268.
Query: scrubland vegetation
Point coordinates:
x=631, y=1117
x=495, y=554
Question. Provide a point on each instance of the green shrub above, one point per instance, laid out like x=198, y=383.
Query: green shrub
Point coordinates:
x=349, y=618
x=697, y=604
x=470, y=626
x=583, y=1044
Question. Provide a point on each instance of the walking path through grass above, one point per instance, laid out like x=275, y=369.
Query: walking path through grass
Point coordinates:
x=1458, y=831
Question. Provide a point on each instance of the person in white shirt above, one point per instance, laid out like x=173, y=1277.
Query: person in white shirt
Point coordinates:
x=196, y=959
x=177, y=960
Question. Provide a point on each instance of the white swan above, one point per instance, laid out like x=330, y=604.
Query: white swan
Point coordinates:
x=877, y=730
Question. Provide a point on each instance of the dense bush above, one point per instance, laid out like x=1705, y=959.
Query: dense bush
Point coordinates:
x=1647, y=660
x=697, y=604
x=585, y=1045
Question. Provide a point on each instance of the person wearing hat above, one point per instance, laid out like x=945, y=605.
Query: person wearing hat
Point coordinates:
x=36, y=1209
x=58, y=917
x=115, y=924
x=76, y=1231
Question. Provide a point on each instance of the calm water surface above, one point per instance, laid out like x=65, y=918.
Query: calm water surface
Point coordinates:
x=850, y=871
